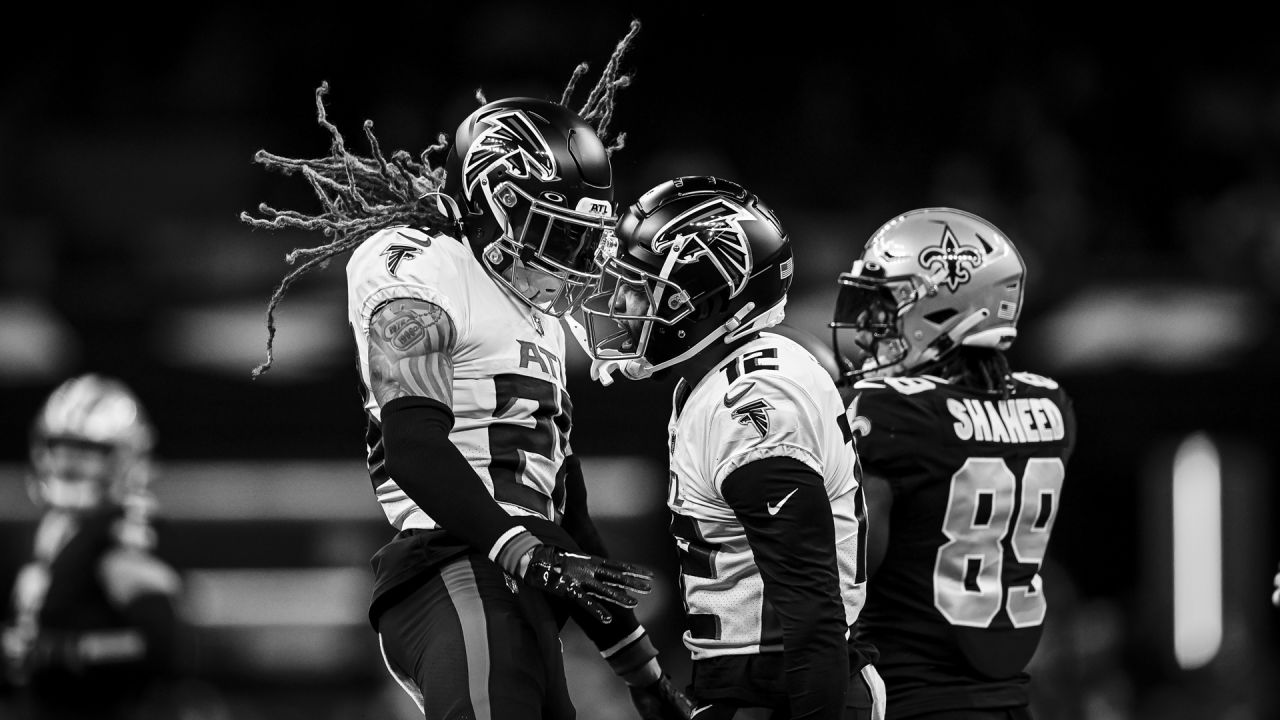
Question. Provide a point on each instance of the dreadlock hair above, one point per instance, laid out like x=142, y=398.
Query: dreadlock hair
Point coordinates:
x=983, y=368
x=361, y=195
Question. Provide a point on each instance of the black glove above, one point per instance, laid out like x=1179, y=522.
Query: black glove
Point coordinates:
x=586, y=578
x=661, y=700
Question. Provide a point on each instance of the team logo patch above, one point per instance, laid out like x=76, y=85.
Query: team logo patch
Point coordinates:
x=396, y=254
x=952, y=257
x=509, y=142
x=858, y=424
x=712, y=230
x=754, y=413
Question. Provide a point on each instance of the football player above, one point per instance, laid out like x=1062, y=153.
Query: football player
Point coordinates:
x=94, y=608
x=964, y=462
x=766, y=507
x=455, y=290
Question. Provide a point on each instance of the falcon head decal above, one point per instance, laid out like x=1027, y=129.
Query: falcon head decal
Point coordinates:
x=511, y=143
x=396, y=254
x=712, y=230
x=755, y=413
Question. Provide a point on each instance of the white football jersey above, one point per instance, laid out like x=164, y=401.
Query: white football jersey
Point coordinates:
x=770, y=399
x=511, y=412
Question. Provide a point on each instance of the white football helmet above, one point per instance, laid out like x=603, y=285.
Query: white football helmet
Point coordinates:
x=90, y=446
x=927, y=282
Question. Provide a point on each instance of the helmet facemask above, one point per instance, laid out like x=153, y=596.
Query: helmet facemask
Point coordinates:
x=869, y=312
x=545, y=254
x=629, y=302
x=77, y=475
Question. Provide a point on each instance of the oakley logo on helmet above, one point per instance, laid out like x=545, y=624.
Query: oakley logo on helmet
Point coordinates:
x=512, y=143
x=712, y=230
x=951, y=257
x=397, y=254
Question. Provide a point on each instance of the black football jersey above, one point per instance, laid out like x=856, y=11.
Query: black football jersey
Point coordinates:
x=957, y=605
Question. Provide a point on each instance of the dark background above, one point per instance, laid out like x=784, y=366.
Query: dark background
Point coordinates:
x=1133, y=160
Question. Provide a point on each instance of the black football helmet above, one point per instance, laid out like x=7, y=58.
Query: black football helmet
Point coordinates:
x=696, y=260
x=532, y=186
x=927, y=282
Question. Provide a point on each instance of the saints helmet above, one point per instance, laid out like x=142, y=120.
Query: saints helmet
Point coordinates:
x=927, y=282
x=90, y=445
x=696, y=260
x=532, y=186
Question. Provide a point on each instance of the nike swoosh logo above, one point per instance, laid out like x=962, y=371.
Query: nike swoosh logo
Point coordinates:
x=731, y=401
x=773, y=509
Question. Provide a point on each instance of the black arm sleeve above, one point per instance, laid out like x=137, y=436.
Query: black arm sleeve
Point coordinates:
x=577, y=518
x=434, y=474
x=879, y=495
x=794, y=547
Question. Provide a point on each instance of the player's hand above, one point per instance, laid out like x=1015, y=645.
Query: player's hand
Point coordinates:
x=586, y=579
x=661, y=700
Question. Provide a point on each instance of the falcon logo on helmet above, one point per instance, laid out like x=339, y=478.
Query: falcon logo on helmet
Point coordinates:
x=951, y=257
x=510, y=142
x=712, y=230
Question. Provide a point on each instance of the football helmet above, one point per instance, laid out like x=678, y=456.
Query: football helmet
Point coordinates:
x=695, y=260
x=927, y=281
x=90, y=445
x=532, y=187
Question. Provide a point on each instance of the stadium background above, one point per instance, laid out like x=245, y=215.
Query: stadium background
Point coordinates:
x=1134, y=164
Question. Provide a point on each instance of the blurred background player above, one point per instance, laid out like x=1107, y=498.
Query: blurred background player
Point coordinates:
x=964, y=462
x=456, y=282
x=92, y=629
x=764, y=496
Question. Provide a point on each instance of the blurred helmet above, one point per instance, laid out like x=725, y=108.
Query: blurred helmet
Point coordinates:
x=928, y=281
x=696, y=260
x=532, y=186
x=91, y=445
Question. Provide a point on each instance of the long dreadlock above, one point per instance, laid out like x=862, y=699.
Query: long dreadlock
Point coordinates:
x=361, y=195
x=982, y=368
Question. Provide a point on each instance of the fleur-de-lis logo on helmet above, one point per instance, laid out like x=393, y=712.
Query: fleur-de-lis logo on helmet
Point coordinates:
x=951, y=257
x=511, y=142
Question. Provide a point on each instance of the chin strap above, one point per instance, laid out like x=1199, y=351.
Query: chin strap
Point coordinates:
x=447, y=206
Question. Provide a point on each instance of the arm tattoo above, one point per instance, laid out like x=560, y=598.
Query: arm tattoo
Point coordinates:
x=411, y=352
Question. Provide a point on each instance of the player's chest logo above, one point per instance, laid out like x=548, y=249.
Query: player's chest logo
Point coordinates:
x=951, y=257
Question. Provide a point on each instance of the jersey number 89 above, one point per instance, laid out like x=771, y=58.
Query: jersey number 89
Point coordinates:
x=968, y=584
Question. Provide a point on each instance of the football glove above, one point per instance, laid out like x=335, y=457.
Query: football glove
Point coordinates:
x=588, y=580
x=661, y=700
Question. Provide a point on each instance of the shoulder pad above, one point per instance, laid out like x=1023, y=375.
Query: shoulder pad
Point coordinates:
x=904, y=385
x=1036, y=380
